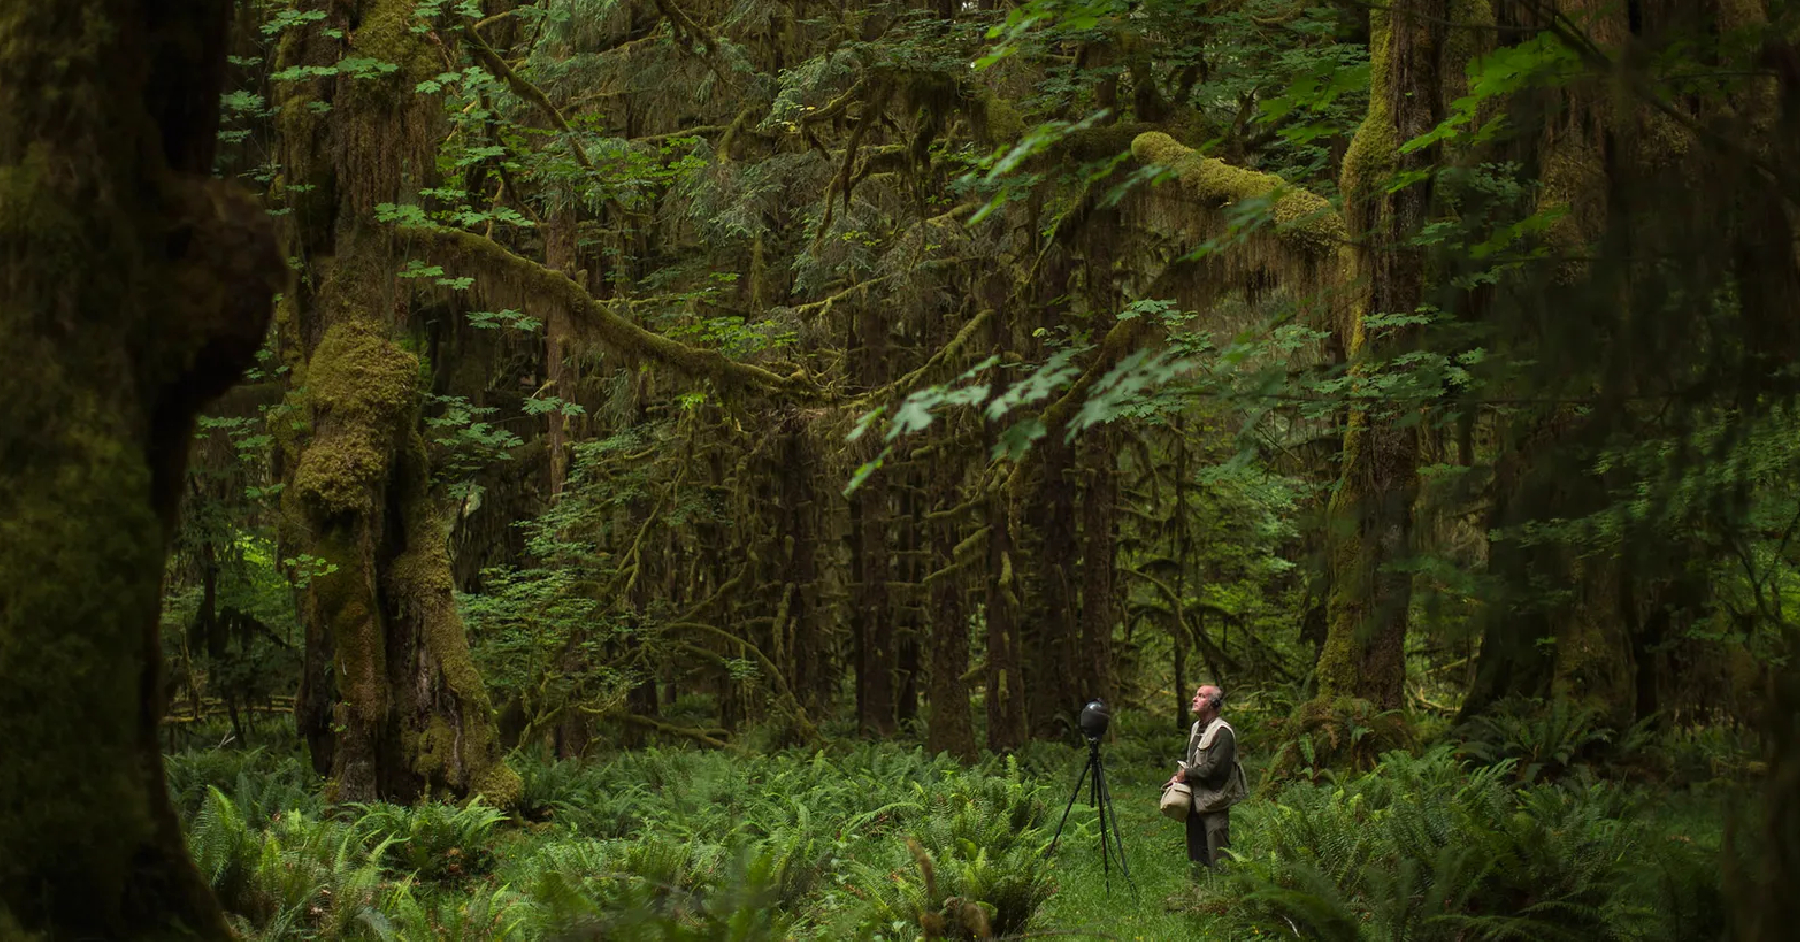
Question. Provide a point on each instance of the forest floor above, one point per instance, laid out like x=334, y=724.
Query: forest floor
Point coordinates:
x=875, y=841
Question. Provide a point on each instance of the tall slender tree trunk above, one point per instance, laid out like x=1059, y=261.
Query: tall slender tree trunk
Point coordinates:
x=911, y=621
x=1003, y=676
x=560, y=255
x=133, y=290
x=873, y=617
x=950, y=730
x=1099, y=549
x=414, y=718
x=1058, y=672
x=809, y=657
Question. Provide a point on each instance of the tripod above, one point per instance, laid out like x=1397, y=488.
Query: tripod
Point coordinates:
x=1101, y=799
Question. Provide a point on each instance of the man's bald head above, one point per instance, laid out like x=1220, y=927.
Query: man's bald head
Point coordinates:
x=1207, y=700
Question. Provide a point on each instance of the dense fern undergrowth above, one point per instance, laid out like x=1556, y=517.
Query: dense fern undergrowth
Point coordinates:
x=1473, y=837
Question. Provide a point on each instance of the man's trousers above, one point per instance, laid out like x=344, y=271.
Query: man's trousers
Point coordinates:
x=1207, y=837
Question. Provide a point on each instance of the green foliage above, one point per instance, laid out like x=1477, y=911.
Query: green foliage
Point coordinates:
x=1429, y=848
x=259, y=783
x=294, y=876
x=433, y=841
x=1541, y=741
x=652, y=845
x=875, y=842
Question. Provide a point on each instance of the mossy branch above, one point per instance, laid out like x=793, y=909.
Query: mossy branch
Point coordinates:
x=686, y=24
x=836, y=106
x=705, y=606
x=489, y=257
x=943, y=354
x=685, y=732
x=1304, y=220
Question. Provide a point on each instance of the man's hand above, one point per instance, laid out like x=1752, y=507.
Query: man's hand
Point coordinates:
x=1179, y=776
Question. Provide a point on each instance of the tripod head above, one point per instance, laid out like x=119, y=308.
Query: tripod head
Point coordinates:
x=1094, y=720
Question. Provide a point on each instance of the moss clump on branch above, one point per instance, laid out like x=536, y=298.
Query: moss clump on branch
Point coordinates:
x=1304, y=220
x=362, y=388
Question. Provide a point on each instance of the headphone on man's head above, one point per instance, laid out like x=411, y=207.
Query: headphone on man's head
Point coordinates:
x=1217, y=699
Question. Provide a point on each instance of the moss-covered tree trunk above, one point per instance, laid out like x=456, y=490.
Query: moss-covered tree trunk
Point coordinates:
x=413, y=717
x=1370, y=515
x=133, y=289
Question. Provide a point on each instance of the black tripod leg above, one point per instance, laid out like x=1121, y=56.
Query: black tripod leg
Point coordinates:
x=1066, y=809
x=1107, y=811
x=1100, y=806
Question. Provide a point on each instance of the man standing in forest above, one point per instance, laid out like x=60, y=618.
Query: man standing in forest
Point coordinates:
x=1210, y=771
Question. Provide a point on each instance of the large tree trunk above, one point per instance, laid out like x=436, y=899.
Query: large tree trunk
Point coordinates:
x=1512, y=661
x=133, y=289
x=414, y=718
x=1370, y=516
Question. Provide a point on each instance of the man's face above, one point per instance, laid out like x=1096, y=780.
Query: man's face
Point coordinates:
x=1202, y=703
